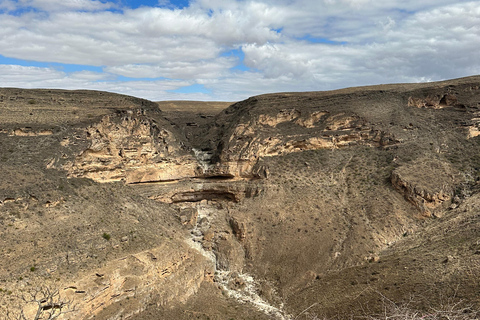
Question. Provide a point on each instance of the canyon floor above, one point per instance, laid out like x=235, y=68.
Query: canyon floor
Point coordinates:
x=355, y=203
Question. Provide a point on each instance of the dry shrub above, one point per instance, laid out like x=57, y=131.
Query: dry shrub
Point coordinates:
x=452, y=309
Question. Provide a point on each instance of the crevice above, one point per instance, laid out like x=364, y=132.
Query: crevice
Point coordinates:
x=220, y=177
x=154, y=182
x=209, y=195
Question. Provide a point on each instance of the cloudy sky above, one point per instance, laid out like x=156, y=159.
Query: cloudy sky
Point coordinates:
x=232, y=49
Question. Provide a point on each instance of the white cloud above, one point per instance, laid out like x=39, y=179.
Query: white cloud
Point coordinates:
x=62, y=5
x=35, y=77
x=144, y=35
x=7, y=5
x=20, y=76
x=90, y=76
x=348, y=20
x=385, y=41
x=177, y=70
x=440, y=43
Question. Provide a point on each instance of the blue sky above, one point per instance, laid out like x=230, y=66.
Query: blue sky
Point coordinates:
x=232, y=49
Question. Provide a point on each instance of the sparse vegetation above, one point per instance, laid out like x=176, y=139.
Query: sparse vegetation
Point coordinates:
x=393, y=311
x=454, y=311
x=106, y=236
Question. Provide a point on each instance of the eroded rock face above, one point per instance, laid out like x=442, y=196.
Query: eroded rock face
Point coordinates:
x=433, y=101
x=229, y=191
x=473, y=131
x=27, y=132
x=291, y=131
x=428, y=184
x=292, y=115
x=473, y=126
x=132, y=147
x=168, y=274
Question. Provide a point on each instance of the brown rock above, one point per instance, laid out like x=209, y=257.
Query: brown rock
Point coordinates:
x=188, y=216
x=428, y=184
x=230, y=254
x=239, y=228
x=433, y=101
x=208, y=235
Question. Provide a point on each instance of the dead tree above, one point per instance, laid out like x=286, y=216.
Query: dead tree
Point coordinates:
x=47, y=302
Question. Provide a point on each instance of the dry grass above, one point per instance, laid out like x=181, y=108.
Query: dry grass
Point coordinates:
x=207, y=107
x=451, y=309
x=404, y=313
x=391, y=311
x=454, y=312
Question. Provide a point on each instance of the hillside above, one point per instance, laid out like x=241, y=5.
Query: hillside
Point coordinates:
x=283, y=206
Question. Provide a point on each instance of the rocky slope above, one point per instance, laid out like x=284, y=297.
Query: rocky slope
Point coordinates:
x=290, y=205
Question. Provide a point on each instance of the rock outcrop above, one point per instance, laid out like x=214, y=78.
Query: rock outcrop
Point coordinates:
x=199, y=190
x=427, y=184
x=433, y=101
x=291, y=130
x=161, y=275
x=134, y=148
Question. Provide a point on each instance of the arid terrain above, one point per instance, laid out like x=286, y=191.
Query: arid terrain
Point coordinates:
x=356, y=203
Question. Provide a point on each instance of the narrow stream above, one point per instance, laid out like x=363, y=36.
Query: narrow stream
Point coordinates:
x=249, y=292
x=204, y=158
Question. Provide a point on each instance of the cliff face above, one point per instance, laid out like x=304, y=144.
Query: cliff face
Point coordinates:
x=277, y=124
x=133, y=147
x=161, y=275
x=292, y=130
x=134, y=212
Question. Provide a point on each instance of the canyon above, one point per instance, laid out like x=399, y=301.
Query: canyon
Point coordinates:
x=283, y=206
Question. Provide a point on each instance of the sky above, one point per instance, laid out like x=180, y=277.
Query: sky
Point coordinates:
x=229, y=50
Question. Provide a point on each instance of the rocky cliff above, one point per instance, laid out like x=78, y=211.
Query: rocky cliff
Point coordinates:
x=131, y=146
